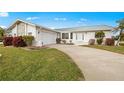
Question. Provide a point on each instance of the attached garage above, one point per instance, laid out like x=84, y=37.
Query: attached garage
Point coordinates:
x=46, y=37
x=42, y=35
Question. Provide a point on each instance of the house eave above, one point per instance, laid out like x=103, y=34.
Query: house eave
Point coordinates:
x=86, y=31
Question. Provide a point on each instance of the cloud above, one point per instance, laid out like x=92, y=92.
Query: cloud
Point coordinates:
x=4, y=27
x=52, y=27
x=4, y=14
x=60, y=19
x=83, y=19
x=79, y=22
x=32, y=18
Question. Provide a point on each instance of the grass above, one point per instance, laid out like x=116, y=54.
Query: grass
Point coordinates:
x=48, y=64
x=116, y=49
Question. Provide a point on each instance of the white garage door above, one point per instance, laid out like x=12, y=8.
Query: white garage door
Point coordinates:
x=48, y=37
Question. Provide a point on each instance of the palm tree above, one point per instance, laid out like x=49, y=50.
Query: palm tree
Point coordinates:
x=120, y=28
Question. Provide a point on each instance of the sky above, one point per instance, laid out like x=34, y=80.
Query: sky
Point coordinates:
x=62, y=19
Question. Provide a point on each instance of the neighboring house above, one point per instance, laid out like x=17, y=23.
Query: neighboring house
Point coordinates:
x=81, y=35
x=43, y=35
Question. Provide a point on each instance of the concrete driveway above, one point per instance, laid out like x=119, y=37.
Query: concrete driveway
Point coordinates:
x=95, y=64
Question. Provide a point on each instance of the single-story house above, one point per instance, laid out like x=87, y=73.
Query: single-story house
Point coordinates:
x=43, y=35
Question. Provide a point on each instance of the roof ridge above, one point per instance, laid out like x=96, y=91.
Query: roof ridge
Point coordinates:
x=82, y=26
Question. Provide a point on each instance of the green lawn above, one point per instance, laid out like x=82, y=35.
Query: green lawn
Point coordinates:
x=43, y=64
x=116, y=49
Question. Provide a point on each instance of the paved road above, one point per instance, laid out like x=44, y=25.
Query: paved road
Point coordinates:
x=95, y=64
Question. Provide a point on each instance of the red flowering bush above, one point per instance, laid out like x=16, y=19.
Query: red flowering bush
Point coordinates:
x=7, y=41
x=109, y=42
x=18, y=42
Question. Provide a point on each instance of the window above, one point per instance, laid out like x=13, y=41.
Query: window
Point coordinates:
x=71, y=35
x=65, y=36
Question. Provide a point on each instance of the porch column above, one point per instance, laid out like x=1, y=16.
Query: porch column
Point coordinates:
x=69, y=36
x=58, y=35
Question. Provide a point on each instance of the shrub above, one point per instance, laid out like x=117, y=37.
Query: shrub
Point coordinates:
x=18, y=42
x=109, y=42
x=121, y=44
x=58, y=40
x=1, y=34
x=7, y=41
x=99, y=34
x=70, y=41
x=64, y=41
x=28, y=40
x=99, y=41
x=91, y=42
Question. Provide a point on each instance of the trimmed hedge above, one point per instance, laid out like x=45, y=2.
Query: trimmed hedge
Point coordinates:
x=18, y=42
x=7, y=41
x=109, y=42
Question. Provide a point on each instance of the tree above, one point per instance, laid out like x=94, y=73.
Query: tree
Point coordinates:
x=100, y=34
x=1, y=33
x=120, y=29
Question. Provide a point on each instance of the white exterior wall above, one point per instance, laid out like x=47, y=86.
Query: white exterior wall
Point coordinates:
x=87, y=37
x=31, y=29
x=27, y=29
x=83, y=37
x=108, y=34
x=14, y=31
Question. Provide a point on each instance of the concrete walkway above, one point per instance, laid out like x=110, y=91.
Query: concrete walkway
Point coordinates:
x=95, y=64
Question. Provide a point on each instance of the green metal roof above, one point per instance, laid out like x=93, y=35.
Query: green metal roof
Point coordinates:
x=87, y=28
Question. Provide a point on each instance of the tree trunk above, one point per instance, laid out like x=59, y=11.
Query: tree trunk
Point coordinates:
x=117, y=44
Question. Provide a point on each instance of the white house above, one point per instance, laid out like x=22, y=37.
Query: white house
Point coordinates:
x=43, y=35
x=82, y=35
